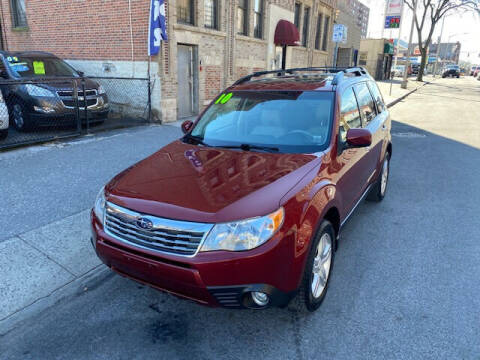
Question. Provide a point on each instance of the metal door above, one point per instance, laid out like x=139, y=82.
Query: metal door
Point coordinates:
x=187, y=81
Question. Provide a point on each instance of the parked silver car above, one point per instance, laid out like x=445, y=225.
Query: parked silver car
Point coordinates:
x=3, y=119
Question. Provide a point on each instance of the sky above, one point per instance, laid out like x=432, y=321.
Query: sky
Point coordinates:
x=463, y=27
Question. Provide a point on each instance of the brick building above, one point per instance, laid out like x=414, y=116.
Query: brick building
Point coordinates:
x=354, y=15
x=211, y=42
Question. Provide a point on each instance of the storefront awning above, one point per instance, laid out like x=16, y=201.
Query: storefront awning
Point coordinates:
x=286, y=33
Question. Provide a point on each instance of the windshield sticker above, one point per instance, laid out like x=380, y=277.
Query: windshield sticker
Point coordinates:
x=224, y=98
x=39, y=67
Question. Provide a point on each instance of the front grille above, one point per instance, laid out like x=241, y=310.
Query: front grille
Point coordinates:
x=69, y=93
x=68, y=99
x=81, y=104
x=164, y=235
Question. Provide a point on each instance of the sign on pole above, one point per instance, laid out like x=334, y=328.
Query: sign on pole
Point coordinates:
x=393, y=14
x=339, y=33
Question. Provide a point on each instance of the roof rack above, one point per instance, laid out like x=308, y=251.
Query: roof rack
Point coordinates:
x=339, y=71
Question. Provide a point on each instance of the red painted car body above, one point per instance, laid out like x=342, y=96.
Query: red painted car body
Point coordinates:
x=194, y=183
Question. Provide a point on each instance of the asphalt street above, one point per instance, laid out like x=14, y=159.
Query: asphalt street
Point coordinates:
x=405, y=283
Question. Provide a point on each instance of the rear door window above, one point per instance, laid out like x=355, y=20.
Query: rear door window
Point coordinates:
x=365, y=102
x=377, y=96
x=349, y=113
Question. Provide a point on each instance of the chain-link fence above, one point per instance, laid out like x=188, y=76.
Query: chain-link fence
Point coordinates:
x=38, y=110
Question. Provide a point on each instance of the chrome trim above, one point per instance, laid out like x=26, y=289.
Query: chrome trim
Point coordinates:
x=95, y=96
x=356, y=205
x=168, y=231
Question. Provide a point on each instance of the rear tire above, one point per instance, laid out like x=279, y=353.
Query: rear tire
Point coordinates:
x=318, y=268
x=379, y=189
x=3, y=134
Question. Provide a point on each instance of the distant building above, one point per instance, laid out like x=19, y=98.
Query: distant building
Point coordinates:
x=354, y=15
x=376, y=55
x=447, y=52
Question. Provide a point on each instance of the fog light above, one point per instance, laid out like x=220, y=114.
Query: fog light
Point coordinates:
x=260, y=298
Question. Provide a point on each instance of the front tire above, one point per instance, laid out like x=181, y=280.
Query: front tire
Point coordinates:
x=316, y=276
x=18, y=116
x=379, y=189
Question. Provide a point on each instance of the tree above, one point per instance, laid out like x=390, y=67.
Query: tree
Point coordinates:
x=429, y=13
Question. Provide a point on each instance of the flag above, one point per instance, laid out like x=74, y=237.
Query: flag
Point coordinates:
x=157, y=30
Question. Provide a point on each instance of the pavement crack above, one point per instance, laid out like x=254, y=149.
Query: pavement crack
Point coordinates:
x=47, y=256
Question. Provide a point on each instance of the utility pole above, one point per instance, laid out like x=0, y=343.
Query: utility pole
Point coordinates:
x=405, y=74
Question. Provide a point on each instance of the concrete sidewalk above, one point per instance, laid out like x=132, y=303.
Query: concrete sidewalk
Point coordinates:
x=392, y=91
x=47, y=193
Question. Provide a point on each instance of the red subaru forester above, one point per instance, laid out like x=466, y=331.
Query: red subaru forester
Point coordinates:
x=245, y=210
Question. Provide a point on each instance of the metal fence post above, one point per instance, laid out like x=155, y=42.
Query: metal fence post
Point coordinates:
x=85, y=104
x=77, y=106
x=149, y=99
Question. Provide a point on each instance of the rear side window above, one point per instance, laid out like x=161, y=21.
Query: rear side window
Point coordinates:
x=349, y=113
x=377, y=96
x=365, y=102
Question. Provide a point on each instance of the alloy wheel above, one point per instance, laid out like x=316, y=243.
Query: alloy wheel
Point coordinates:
x=321, y=265
x=383, y=184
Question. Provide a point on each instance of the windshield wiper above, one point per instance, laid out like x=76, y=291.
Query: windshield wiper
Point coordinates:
x=249, y=147
x=196, y=139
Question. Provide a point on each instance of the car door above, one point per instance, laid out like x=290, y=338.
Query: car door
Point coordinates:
x=381, y=125
x=373, y=122
x=351, y=174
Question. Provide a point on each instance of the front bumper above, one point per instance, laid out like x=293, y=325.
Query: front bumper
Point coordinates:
x=54, y=112
x=219, y=278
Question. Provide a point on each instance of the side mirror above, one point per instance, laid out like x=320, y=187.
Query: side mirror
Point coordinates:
x=187, y=126
x=359, y=138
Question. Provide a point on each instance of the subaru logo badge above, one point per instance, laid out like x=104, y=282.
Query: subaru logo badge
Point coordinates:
x=144, y=223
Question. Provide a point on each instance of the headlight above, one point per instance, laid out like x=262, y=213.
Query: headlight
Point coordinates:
x=244, y=234
x=35, y=90
x=99, y=208
x=101, y=90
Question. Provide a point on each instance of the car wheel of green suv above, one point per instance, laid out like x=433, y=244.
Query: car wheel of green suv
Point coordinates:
x=318, y=267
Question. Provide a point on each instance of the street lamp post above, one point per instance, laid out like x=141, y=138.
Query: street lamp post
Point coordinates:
x=405, y=74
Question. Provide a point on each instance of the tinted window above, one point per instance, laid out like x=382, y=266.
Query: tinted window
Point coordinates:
x=293, y=121
x=365, y=102
x=38, y=66
x=349, y=114
x=377, y=96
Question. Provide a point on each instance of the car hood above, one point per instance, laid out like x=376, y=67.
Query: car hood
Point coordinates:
x=204, y=184
x=62, y=84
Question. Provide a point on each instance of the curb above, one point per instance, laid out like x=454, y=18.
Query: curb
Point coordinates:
x=77, y=287
x=392, y=103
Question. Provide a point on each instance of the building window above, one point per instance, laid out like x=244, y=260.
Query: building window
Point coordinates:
x=306, y=20
x=211, y=14
x=326, y=25
x=185, y=12
x=296, y=20
x=242, y=17
x=19, y=13
x=318, y=35
x=258, y=21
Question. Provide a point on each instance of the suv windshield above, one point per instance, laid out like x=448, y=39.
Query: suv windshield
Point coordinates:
x=284, y=121
x=38, y=66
